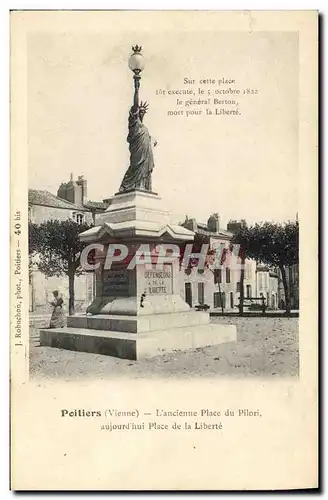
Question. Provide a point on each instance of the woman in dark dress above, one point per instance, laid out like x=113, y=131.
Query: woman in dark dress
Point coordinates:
x=58, y=319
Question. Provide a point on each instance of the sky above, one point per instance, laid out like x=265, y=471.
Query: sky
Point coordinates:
x=80, y=90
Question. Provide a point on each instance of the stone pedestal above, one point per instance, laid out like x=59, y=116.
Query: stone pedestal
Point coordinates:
x=138, y=310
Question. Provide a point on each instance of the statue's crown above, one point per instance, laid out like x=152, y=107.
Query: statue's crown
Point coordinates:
x=144, y=106
x=137, y=49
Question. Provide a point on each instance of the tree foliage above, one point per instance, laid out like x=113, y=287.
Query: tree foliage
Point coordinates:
x=33, y=238
x=273, y=244
x=58, y=247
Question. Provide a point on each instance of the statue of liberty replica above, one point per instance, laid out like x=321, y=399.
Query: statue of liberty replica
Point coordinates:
x=138, y=175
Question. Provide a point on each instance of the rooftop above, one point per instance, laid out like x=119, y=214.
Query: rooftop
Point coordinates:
x=45, y=198
x=96, y=205
x=205, y=232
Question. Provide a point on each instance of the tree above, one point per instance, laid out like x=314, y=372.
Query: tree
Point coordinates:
x=272, y=244
x=59, y=248
x=33, y=238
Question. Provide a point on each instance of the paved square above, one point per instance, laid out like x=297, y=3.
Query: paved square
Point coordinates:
x=266, y=347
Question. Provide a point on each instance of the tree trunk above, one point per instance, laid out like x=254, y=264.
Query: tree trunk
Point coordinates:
x=71, y=300
x=242, y=279
x=286, y=289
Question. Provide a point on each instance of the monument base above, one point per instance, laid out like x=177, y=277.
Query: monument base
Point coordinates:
x=138, y=324
x=137, y=346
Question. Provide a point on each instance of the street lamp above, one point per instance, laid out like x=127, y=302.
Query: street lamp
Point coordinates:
x=136, y=64
x=136, y=60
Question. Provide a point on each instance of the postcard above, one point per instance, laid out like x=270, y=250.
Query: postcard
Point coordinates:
x=164, y=234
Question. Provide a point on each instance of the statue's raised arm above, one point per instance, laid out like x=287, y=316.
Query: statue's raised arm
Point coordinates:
x=136, y=79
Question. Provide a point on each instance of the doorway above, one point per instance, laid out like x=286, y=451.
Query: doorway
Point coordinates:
x=219, y=299
x=188, y=294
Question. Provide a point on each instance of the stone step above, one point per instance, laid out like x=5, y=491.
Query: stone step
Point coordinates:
x=139, y=324
x=145, y=345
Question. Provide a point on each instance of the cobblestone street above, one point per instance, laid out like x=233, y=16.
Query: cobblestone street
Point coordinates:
x=266, y=347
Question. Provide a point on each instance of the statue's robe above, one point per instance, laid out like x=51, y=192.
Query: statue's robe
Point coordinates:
x=138, y=175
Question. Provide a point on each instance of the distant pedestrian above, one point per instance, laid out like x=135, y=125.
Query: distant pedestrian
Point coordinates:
x=58, y=319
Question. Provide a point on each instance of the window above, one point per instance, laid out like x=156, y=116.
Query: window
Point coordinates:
x=218, y=276
x=227, y=275
x=248, y=291
x=201, y=293
x=219, y=299
x=231, y=300
x=238, y=286
x=79, y=218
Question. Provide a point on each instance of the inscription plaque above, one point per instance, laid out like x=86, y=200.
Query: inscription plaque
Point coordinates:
x=116, y=281
x=159, y=282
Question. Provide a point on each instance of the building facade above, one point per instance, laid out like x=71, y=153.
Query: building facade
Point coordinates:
x=267, y=286
x=221, y=288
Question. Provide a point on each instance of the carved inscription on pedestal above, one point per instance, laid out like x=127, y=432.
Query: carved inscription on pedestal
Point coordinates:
x=159, y=282
x=116, y=281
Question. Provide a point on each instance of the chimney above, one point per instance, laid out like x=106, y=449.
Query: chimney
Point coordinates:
x=235, y=225
x=82, y=183
x=190, y=224
x=75, y=192
x=213, y=223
